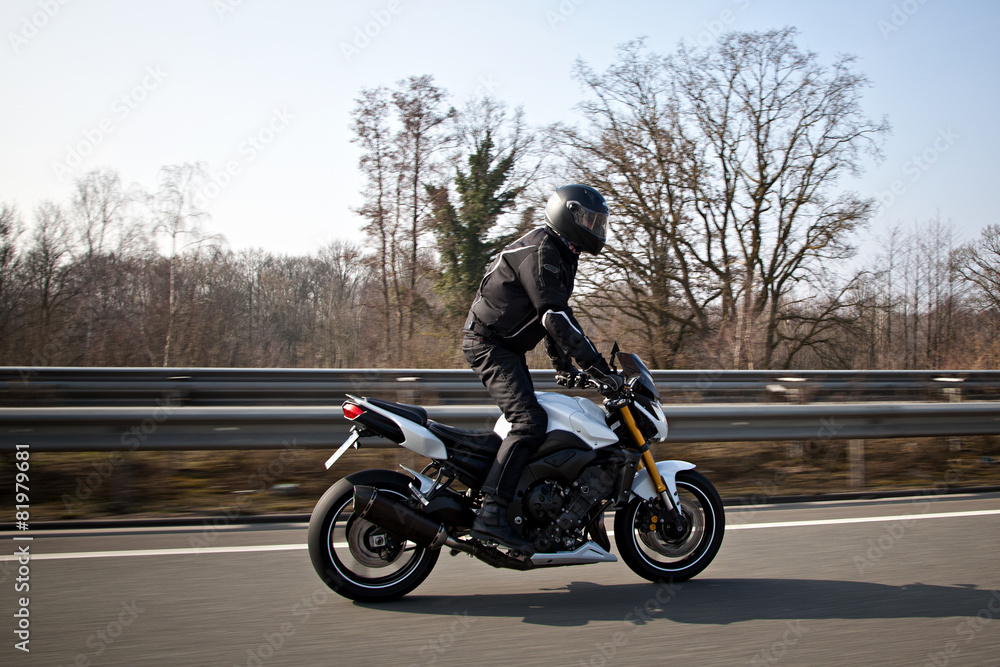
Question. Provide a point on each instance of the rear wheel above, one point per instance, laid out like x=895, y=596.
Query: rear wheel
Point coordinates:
x=654, y=550
x=358, y=559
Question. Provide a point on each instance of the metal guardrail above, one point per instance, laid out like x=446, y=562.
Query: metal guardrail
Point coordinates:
x=64, y=387
x=118, y=409
x=245, y=427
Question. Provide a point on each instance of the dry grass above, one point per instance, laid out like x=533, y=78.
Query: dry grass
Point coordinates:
x=88, y=485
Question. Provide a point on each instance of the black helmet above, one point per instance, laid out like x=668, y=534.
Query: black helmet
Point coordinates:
x=580, y=214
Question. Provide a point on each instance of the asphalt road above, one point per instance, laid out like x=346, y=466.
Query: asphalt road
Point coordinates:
x=892, y=582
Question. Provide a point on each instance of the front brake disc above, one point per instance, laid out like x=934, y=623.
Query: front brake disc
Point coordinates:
x=652, y=533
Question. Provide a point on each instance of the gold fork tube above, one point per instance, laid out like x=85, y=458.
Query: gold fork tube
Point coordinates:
x=647, y=456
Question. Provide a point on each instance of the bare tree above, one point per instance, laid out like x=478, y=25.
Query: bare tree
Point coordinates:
x=11, y=287
x=107, y=219
x=937, y=246
x=654, y=271
x=424, y=132
x=911, y=303
x=978, y=262
x=372, y=132
x=781, y=130
x=178, y=218
x=402, y=134
x=72, y=292
x=101, y=210
x=49, y=272
x=339, y=279
x=926, y=294
x=726, y=164
x=870, y=337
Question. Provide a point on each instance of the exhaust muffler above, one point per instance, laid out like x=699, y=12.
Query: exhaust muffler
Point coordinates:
x=387, y=512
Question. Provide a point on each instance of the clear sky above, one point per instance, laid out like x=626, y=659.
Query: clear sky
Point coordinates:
x=266, y=88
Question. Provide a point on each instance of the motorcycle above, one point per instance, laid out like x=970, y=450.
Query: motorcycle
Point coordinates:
x=375, y=535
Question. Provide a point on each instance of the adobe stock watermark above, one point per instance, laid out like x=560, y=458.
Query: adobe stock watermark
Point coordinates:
x=436, y=647
x=100, y=641
x=363, y=35
x=714, y=28
x=273, y=642
x=258, y=656
x=123, y=107
x=248, y=151
x=562, y=12
x=486, y=86
x=968, y=630
x=225, y=7
x=638, y=618
x=811, y=451
x=894, y=533
x=918, y=165
x=900, y=16
x=130, y=439
x=779, y=649
x=259, y=481
x=33, y=25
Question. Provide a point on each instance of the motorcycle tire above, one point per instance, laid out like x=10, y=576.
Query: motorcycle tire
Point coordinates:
x=358, y=559
x=648, y=546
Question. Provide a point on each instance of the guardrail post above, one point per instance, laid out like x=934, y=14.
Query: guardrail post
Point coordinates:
x=954, y=395
x=856, y=457
x=121, y=485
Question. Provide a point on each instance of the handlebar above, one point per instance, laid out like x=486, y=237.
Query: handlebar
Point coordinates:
x=609, y=385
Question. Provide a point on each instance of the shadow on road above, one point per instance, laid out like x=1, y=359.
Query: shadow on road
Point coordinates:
x=713, y=602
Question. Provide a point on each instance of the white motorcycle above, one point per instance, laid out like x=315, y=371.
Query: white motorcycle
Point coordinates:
x=375, y=535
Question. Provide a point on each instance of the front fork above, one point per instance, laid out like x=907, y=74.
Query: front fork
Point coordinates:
x=675, y=517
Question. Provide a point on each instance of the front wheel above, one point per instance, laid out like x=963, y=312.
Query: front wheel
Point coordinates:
x=358, y=559
x=653, y=550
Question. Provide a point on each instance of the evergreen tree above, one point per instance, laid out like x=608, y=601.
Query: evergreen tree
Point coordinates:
x=463, y=234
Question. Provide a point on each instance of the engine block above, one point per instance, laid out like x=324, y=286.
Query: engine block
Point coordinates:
x=560, y=510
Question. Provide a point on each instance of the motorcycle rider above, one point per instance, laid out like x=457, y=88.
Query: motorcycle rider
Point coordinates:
x=522, y=300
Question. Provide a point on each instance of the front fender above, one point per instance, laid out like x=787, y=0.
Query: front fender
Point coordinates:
x=643, y=487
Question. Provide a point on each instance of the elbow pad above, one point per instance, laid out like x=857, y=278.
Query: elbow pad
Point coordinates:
x=567, y=334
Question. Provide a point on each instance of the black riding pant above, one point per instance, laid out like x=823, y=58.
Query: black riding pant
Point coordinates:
x=505, y=375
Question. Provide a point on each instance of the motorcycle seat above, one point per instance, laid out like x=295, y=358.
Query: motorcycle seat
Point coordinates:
x=474, y=439
x=414, y=413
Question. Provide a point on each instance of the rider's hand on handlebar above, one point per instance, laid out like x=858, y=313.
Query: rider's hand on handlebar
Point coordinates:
x=572, y=378
x=611, y=384
x=608, y=383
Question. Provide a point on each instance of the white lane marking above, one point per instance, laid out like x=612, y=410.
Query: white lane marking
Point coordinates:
x=860, y=519
x=162, y=552
x=299, y=547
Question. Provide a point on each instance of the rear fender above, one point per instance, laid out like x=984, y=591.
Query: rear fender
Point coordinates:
x=416, y=438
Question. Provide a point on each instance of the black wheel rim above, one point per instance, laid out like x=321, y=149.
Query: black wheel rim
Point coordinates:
x=366, y=555
x=669, y=553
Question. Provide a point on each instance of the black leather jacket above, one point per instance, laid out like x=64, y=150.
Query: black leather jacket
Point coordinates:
x=523, y=299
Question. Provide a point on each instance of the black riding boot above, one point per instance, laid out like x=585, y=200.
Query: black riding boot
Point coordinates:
x=492, y=524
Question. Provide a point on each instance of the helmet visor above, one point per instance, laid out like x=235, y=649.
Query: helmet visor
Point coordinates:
x=594, y=221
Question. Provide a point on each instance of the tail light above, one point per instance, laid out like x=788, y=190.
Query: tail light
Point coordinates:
x=352, y=411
